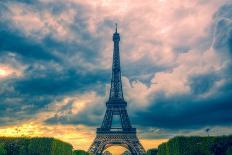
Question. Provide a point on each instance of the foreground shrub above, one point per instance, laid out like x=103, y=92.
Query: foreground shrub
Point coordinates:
x=35, y=146
x=80, y=152
x=196, y=146
x=221, y=145
x=229, y=151
x=152, y=151
x=2, y=149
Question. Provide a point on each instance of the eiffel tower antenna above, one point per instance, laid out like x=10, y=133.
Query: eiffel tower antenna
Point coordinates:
x=116, y=105
x=116, y=27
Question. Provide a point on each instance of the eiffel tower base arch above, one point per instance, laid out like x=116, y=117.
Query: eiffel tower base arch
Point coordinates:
x=129, y=141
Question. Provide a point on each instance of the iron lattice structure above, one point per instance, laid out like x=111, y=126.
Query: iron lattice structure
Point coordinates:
x=116, y=105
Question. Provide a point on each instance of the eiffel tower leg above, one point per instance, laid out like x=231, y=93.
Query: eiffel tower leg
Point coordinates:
x=130, y=142
x=106, y=124
x=97, y=146
x=125, y=119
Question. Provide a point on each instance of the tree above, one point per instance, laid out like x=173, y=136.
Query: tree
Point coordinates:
x=80, y=152
x=153, y=151
x=229, y=151
x=2, y=149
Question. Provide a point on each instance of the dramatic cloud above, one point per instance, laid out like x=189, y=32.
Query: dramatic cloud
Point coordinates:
x=56, y=56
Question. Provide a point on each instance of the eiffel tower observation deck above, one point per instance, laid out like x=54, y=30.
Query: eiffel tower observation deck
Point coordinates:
x=125, y=135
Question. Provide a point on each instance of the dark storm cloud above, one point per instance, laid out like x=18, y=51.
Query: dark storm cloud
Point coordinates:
x=25, y=1
x=201, y=84
x=207, y=104
x=54, y=83
x=191, y=111
x=16, y=106
x=92, y=117
x=34, y=94
x=144, y=70
x=223, y=29
x=49, y=74
x=11, y=41
x=184, y=112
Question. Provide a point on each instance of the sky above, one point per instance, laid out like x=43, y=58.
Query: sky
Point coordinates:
x=55, y=67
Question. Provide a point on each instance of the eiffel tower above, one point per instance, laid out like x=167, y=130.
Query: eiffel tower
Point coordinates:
x=116, y=105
